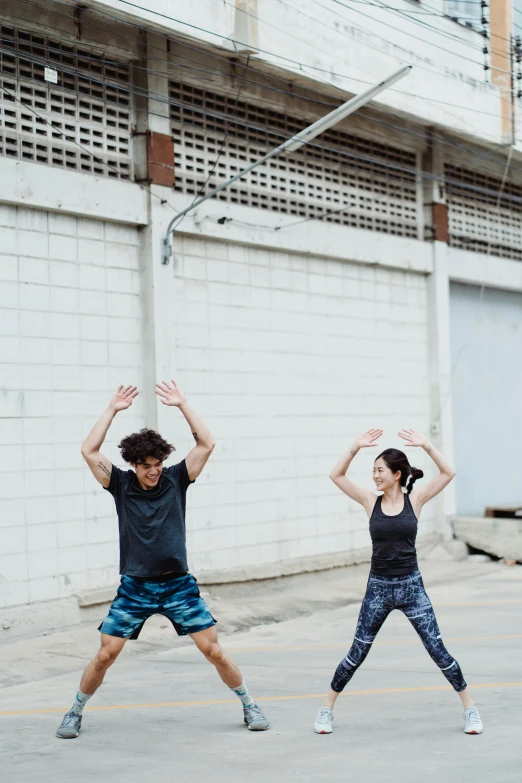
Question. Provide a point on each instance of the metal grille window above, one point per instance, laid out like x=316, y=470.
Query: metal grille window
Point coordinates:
x=468, y=11
x=84, y=106
x=307, y=183
x=475, y=221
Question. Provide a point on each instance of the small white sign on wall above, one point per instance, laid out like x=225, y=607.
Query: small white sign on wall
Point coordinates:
x=51, y=75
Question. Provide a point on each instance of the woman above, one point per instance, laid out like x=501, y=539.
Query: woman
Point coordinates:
x=395, y=581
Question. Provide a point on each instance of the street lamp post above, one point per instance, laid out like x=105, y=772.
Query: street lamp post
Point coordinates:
x=303, y=137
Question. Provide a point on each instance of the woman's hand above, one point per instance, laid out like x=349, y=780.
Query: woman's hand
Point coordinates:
x=367, y=439
x=414, y=438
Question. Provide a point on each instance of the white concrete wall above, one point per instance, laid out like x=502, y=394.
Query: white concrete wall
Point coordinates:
x=287, y=343
x=349, y=47
x=288, y=357
x=70, y=331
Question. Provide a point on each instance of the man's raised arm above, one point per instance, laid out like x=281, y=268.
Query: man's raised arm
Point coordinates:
x=196, y=459
x=101, y=466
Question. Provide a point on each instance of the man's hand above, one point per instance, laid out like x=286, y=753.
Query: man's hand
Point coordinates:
x=196, y=459
x=100, y=465
x=170, y=393
x=123, y=398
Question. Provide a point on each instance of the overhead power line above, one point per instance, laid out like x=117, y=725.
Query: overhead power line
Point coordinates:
x=266, y=87
x=493, y=156
x=188, y=42
x=236, y=121
x=243, y=43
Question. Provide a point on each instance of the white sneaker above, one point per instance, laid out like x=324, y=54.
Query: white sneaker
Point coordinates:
x=473, y=722
x=323, y=724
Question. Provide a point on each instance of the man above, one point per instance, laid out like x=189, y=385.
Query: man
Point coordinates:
x=150, y=503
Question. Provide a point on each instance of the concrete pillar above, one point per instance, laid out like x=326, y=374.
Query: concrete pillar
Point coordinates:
x=245, y=26
x=153, y=125
x=441, y=376
x=436, y=221
x=156, y=303
x=501, y=32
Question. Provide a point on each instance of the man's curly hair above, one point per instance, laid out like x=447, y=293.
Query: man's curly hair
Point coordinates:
x=137, y=447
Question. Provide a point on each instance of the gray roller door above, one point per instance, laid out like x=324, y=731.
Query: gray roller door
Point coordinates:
x=486, y=344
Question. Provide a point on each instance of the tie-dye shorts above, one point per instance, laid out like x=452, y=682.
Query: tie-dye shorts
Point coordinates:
x=177, y=599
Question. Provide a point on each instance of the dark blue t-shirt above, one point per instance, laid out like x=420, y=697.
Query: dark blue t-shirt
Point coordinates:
x=151, y=522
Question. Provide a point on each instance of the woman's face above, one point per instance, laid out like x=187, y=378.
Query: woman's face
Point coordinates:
x=383, y=477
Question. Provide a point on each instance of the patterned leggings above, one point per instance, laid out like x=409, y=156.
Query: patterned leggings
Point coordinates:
x=407, y=593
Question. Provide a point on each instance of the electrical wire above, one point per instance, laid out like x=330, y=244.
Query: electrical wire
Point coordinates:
x=403, y=15
x=242, y=43
x=264, y=86
x=259, y=129
x=446, y=142
x=352, y=156
x=413, y=11
x=357, y=11
x=227, y=60
x=347, y=206
x=438, y=72
x=412, y=172
x=500, y=198
x=371, y=32
x=170, y=62
x=218, y=156
x=482, y=155
x=80, y=146
x=126, y=2
x=188, y=43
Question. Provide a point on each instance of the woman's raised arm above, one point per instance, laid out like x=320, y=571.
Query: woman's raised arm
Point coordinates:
x=421, y=495
x=338, y=475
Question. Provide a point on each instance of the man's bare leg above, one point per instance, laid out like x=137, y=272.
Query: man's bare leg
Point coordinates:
x=207, y=642
x=111, y=647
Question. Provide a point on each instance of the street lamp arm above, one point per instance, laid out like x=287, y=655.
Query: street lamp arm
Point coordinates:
x=294, y=143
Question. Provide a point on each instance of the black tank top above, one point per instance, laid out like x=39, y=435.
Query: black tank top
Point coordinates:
x=393, y=539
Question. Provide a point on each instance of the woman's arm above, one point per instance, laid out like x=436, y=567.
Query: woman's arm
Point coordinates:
x=338, y=475
x=447, y=472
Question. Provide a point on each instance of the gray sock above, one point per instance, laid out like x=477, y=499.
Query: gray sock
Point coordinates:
x=80, y=700
x=244, y=695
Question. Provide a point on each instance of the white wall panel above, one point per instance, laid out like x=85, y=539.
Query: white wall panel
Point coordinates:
x=287, y=357
x=63, y=347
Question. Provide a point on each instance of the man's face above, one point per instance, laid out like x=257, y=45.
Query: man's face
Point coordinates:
x=148, y=472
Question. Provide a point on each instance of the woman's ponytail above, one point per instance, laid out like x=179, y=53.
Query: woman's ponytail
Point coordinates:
x=416, y=473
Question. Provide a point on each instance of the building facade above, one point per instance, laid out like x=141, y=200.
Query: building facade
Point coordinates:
x=372, y=278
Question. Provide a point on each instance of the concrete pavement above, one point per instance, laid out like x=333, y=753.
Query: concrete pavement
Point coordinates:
x=166, y=715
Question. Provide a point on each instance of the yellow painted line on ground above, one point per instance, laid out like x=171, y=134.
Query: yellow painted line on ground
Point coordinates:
x=383, y=644
x=481, y=603
x=209, y=702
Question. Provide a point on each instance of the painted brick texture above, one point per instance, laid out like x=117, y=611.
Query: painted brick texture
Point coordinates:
x=70, y=332
x=288, y=358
